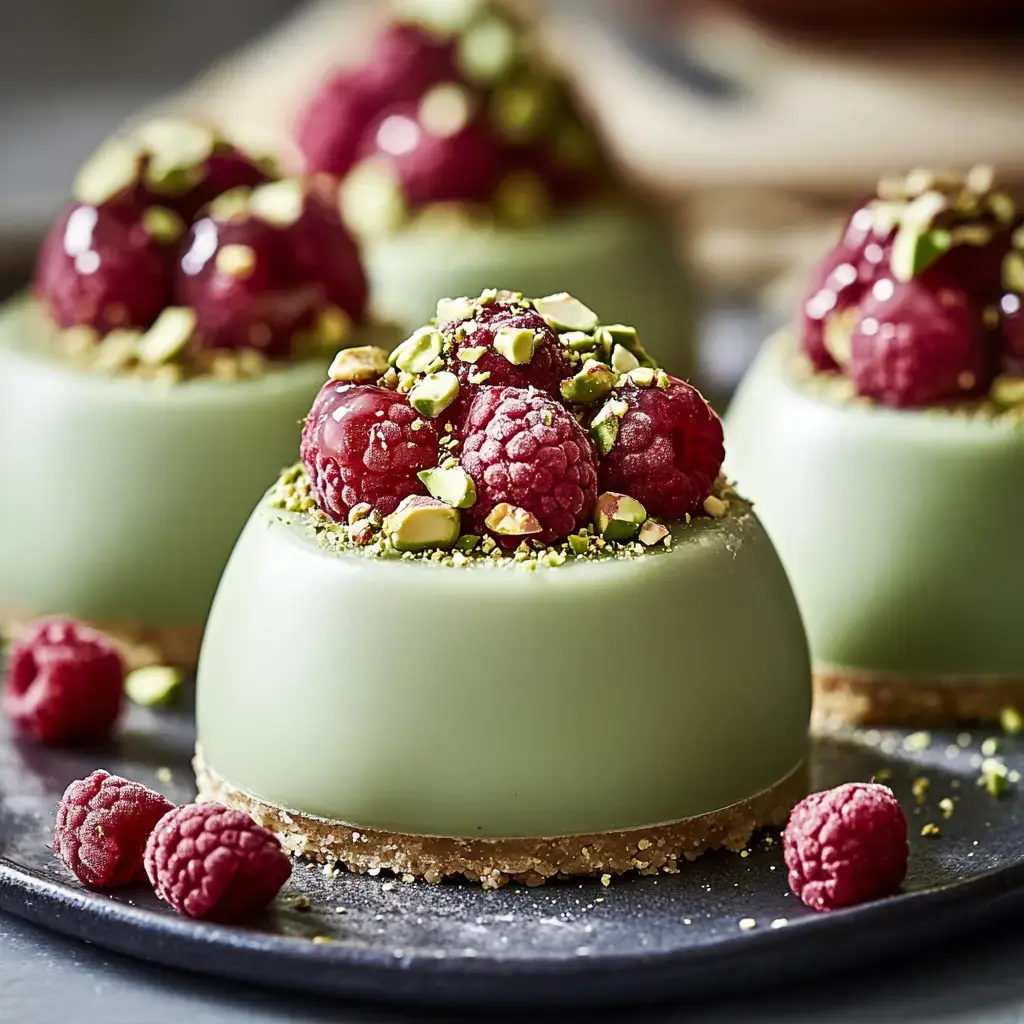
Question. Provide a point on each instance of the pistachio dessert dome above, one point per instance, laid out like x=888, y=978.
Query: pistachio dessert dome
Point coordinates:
x=505, y=618
x=883, y=443
x=185, y=306
x=462, y=160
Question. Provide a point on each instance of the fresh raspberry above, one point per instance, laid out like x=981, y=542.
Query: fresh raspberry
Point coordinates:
x=544, y=371
x=211, y=862
x=99, y=267
x=103, y=822
x=918, y=342
x=846, y=845
x=668, y=451
x=359, y=445
x=65, y=683
x=522, y=447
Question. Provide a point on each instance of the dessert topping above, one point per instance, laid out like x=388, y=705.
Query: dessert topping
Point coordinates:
x=359, y=365
x=450, y=484
x=421, y=523
x=618, y=517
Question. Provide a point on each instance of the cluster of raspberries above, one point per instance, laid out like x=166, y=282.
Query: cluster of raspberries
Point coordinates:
x=454, y=112
x=518, y=426
x=175, y=219
x=921, y=300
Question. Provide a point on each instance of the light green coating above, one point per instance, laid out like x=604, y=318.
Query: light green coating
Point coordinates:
x=493, y=701
x=618, y=258
x=121, y=498
x=899, y=529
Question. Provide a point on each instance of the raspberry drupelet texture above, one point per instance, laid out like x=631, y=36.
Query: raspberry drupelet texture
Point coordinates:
x=669, y=449
x=64, y=685
x=546, y=368
x=919, y=342
x=210, y=862
x=846, y=845
x=523, y=448
x=363, y=443
x=100, y=268
x=103, y=822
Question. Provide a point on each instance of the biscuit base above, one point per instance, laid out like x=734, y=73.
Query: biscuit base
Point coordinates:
x=496, y=862
x=861, y=698
x=139, y=645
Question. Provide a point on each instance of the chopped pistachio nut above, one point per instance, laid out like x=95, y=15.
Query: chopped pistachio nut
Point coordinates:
x=642, y=377
x=471, y=354
x=623, y=360
x=454, y=309
x=564, y=313
x=164, y=226
x=169, y=334
x=480, y=378
x=487, y=50
x=419, y=352
x=452, y=485
x=577, y=341
x=511, y=521
x=990, y=746
x=993, y=776
x=232, y=205
x=919, y=787
x=592, y=383
x=279, y=202
x=236, y=260
x=916, y=246
x=177, y=149
x=652, y=533
x=420, y=523
x=445, y=109
x=604, y=427
x=947, y=807
x=434, y=393
x=1011, y=721
x=112, y=169
x=361, y=364
x=468, y=543
x=152, y=685
x=1007, y=390
x=444, y=17
x=917, y=741
x=117, y=349
x=579, y=543
x=371, y=200
x=714, y=506
x=361, y=510
x=516, y=344
x=1013, y=272
x=618, y=517
x=930, y=830
x=747, y=924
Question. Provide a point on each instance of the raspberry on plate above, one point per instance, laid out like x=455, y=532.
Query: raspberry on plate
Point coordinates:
x=100, y=267
x=669, y=449
x=363, y=443
x=65, y=683
x=525, y=450
x=846, y=845
x=103, y=822
x=210, y=862
x=918, y=342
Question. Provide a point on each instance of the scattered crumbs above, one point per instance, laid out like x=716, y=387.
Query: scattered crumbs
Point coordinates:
x=341, y=910
x=883, y=775
x=990, y=746
x=387, y=887
x=963, y=739
x=600, y=899
x=771, y=867
x=917, y=741
x=919, y=787
x=606, y=880
x=322, y=940
x=1011, y=721
x=930, y=831
x=687, y=920
x=302, y=903
x=744, y=853
x=164, y=774
x=993, y=776
x=779, y=922
x=747, y=923
x=408, y=878
x=946, y=806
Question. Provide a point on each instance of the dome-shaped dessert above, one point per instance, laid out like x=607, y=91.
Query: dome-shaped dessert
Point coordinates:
x=883, y=446
x=505, y=618
x=462, y=160
x=184, y=307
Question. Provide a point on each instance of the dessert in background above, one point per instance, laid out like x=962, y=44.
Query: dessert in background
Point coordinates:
x=883, y=444
x=505, y=619
x=181, y=317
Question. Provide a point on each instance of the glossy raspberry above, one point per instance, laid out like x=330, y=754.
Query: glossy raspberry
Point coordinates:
x=668, y=451
x=359, y=445
x=99, y=267
x=103, y=822
x=846, y=845
x=522, y=447
x=918, y=342
x=543, y=372
x=210, y=862
x=64, y=684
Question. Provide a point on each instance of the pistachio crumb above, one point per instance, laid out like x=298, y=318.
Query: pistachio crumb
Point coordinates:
x=930, y=831
x=747, y=924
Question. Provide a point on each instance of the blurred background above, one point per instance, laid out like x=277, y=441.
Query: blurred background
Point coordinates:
x=758, y=121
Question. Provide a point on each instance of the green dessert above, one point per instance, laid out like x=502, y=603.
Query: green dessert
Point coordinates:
x=185, y=304
x=461, y=160
x=883, y=444
x=494, y=633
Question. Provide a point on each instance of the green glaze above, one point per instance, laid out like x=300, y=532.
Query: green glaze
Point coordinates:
x=899, y=529
x=617, y=258
x=120, y=498
x=492, y=701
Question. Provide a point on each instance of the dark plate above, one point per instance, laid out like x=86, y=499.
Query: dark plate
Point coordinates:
x=637, y=939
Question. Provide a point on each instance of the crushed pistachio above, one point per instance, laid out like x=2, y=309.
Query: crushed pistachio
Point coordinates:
x=1011, y=721
x=946, y=806
x=919, y=787
x=930, y=830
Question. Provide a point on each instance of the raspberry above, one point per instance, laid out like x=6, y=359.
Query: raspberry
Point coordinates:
x=846, y=845
x=359, y=445
x=918, y=342
x=99, y=267
x=543, y=372
x=668, y=451
x=524, y=448
x=65, y=683
x=210, y=862
x=103, y=822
